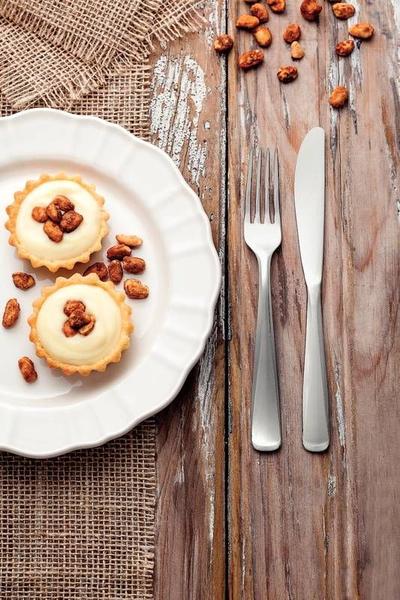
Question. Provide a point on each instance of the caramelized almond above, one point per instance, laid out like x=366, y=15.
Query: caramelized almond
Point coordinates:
x=39, y=214
x=27, y=369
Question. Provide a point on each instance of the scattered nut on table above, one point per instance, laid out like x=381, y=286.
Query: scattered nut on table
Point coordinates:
x=27, y=369
x=118, y=251
x=222, y=44
x=115, y=271
x=11, y=313
x=133, y=241
x=343, y=11
x=277, y=6
x=363, y=31
x=310, y=9
x=296, y=51
x=345, y=47
x=263, y=36
x=247, y=22
x=339, y=97
x=250, y=59
x=287, y=74
x=99, y=268
x=292, y=33
x=133, y=264
x=23, y=281
x=135, y=289
x=260, y=11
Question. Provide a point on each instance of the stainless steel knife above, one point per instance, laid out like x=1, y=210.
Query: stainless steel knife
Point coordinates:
x=309, y=194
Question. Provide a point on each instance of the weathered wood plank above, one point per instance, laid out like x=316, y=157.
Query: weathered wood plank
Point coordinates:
x=188, y=121
x=303, y=525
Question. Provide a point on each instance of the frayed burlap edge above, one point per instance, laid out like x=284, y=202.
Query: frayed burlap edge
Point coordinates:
x=74, y=79
x=100, y=52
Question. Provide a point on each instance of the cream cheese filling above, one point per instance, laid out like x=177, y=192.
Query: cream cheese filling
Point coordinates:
x=31, y=235
x=80, y=350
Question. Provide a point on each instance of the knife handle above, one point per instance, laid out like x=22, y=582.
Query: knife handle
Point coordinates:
x=315, y=390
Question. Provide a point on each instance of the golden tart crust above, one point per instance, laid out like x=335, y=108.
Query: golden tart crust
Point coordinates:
x=66, y=263
x=125, y=331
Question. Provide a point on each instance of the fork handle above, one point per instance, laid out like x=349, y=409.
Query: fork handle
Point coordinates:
x=315, y=390
x=266, y=431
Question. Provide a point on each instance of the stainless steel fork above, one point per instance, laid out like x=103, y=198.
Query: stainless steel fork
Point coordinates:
x=262, y=234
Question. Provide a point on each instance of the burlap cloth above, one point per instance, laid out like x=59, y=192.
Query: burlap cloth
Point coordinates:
x=81, y=527
x=53, y=51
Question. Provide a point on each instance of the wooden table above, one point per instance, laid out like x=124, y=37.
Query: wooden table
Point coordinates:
x=232, y=522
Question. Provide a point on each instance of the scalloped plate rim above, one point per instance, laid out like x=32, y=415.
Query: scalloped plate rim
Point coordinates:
x=197, y=351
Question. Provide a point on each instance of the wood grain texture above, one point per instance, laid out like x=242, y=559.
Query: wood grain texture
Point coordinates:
x=308, y=526
x=188, y=121
x=299, y=526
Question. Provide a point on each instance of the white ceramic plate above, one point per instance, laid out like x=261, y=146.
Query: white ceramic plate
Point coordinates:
x=145, y=195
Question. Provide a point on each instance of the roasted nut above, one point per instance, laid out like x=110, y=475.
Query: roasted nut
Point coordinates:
x=53, y=231
x=341, y=10
x=247, y=22
x=133, y=264
x=310, y=9
x=363, y=31
x=39, y=214
x=27, y=369
x=277, y=6
x=78, y=319
x=88, y=328
x=339, y=97
x=296, y=51
x=70, y=221
x=250, y=59
x=73, y=305
x=11, y=313
x=223, y=43
x=287, y=74
x=23, y=281
x=63, y=203
x=54, y=213
x=260, y=11
x=133, y=241
x=69, y=331
x=118, y=252
x=292, y=33
x=115, y=271
x=345, y=48
x=99, y=268
x=263, y=36
x=135, y=289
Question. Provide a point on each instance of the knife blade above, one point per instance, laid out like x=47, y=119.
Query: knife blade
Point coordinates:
x=310, y=216
x=309, y=199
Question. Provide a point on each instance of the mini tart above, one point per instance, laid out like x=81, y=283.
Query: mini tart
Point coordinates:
x=81, y=354
x=28, y=236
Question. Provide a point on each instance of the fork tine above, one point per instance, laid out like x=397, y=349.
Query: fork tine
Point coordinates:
x=277, y=215
x=267, y=213
x=247, y=208
x=257, y=214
